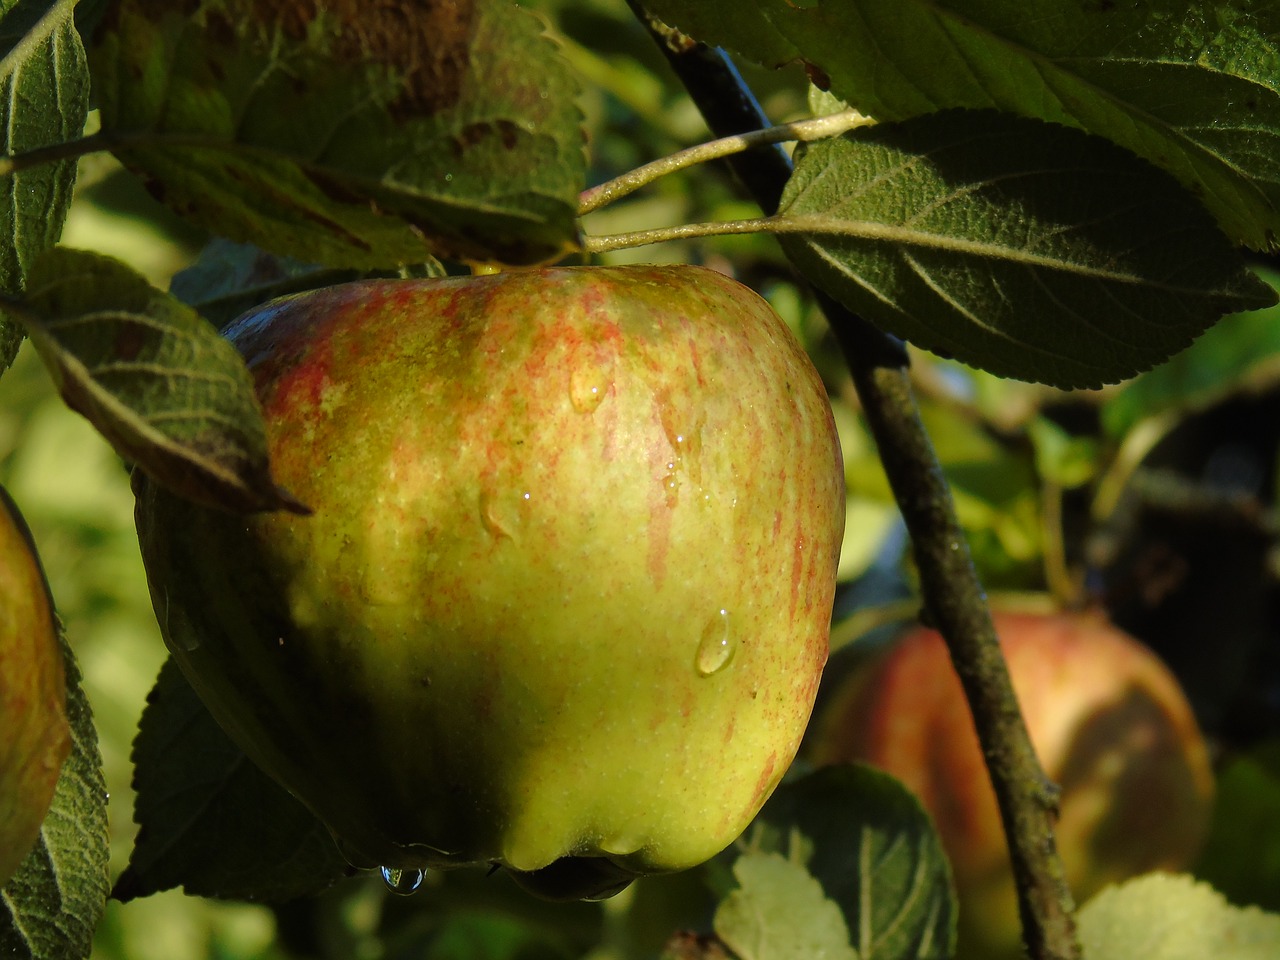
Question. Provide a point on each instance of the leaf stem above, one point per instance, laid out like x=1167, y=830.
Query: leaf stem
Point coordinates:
x=954, y=597
x=814, y=128
x=54, y=152
x=603, y=243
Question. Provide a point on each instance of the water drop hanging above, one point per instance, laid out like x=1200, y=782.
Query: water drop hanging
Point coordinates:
x=402, y=882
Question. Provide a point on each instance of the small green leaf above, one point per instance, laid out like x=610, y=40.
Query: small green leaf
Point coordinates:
x=874, y=850
x=779, y=912
x=1062, y=458
x=1170, y=917
x=363, y=136
x=44, y=99
x=1027, y=249
x=1240, y=354
x=52, y=905
x=1194, y=87
x=158, y=382
x=210, y=821
x=1241, y=858
x=229, y=279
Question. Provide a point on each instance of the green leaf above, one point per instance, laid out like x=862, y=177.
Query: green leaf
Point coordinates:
x=779, y=912
x=874, y=850
x=52, y=905
x=230, y=278
x=158, y=382
x=366, y=136
x=1193, y=87
x=44, y=99
x=1169, y=917
x=1241, y=858
x=1027, y=249
x=1240, y=354
x=1062, y=458
x=210, y=821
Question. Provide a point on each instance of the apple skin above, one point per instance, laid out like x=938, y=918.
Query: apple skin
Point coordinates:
x=1110, y=725
x=565, y=595
x=35, y=736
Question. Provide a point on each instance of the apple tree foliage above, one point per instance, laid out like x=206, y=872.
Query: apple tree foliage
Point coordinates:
x=1071, y=193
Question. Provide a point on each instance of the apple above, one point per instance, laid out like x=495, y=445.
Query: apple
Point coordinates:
x=35, y=736
x=563, y=601
x=1109, y=723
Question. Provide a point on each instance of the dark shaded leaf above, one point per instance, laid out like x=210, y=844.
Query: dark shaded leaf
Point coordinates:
x=229, y=279
x=1240, y=354
x=1028, y=249
x=1241, y=858
x=210, y=820
x=1193, y=87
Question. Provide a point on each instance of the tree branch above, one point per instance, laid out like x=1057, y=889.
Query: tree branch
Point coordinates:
x=954, y=597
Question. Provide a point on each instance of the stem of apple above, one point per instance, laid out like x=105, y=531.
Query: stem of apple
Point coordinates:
x=954, y=597
x=814, y=128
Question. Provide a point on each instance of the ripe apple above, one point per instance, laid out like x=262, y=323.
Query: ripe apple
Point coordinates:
x=1109, y=723
x=563, y=601
x=35, y=737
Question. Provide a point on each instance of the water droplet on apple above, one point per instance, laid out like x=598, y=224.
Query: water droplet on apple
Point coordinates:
x=716, y=647
x=671, y=487
x=586, y=390
x=402, y=882
x=491, y=515
x=685, y=437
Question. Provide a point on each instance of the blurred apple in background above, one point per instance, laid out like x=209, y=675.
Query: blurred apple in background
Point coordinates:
x=1111, y=727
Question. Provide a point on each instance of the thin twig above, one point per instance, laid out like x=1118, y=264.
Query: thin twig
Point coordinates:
x=953, y=594
x=815, y=128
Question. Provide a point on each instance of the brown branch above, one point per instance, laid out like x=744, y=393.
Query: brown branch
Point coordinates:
x=954, y=598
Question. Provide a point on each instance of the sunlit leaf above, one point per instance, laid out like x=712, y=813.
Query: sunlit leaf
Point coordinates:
x=873, y=848
x=44, y=99
x=779, y=912
x=1167, y=917
x=154, y=378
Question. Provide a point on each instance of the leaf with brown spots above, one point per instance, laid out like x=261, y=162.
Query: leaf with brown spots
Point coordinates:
x=346, y=133
x=155, y=379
